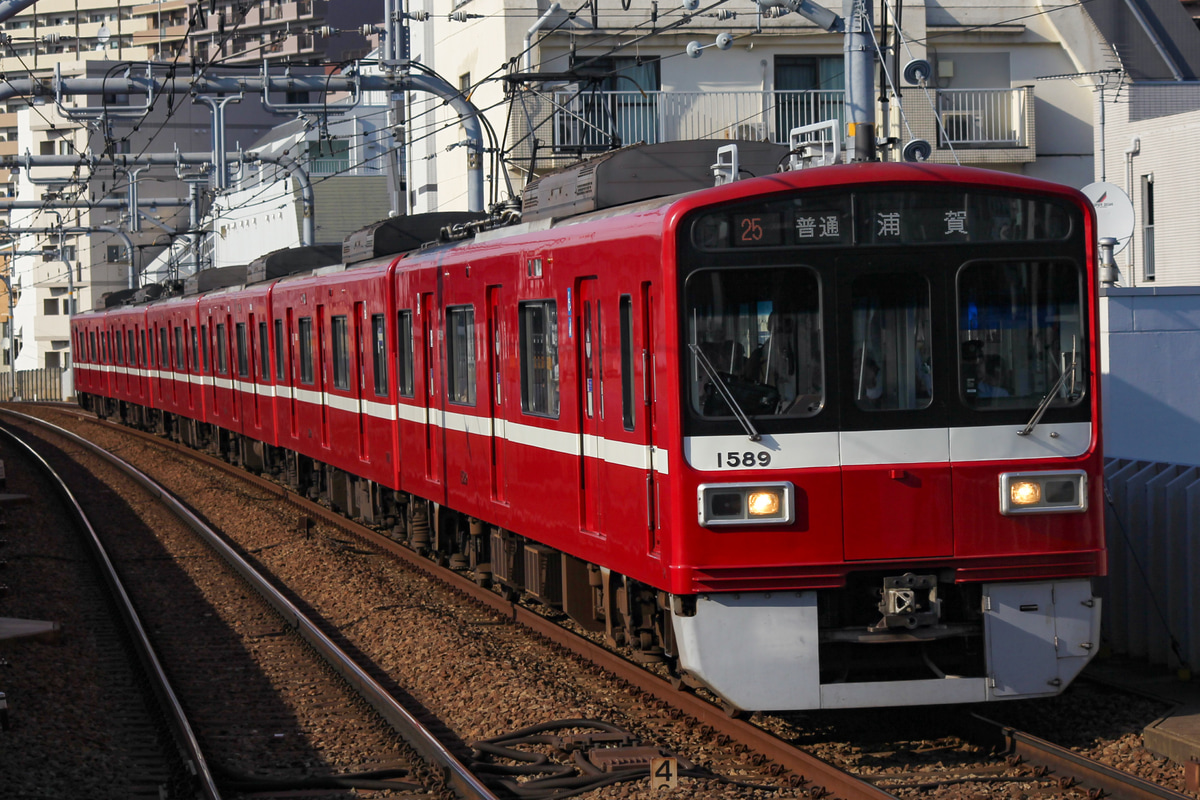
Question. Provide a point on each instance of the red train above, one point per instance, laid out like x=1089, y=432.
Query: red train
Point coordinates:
x=826, y=438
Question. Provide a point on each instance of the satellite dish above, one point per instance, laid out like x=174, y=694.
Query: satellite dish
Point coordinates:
x=1114, y=212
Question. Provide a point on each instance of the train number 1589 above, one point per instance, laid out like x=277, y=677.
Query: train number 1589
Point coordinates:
x=748, y=459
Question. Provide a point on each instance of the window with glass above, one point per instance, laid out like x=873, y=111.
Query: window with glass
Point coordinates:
x=204, y=346
x=1022, y=334
x=264, y=352
x=179, y=351
x=753, y=338
x=891, y=357
x=280, y=349
x=404, y=353
x=460, y=321
x=164, y=348
x=626, y=322
x=341, y=352
x=306, y=350
x=379, y=353
x=243, y=360
x=539, y=358
x=222, y=349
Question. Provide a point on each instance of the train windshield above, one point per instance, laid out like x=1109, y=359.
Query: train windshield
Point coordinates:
x=755, y=338
x=1021, y=334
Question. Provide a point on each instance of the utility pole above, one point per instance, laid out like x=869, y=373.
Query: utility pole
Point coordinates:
x=858, y=49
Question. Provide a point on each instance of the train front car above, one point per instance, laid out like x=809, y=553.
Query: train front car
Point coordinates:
x=889, y=483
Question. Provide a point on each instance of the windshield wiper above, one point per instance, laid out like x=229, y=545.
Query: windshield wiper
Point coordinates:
x=726, y=395
x=1045, y=404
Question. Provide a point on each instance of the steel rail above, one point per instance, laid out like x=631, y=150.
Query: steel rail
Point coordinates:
x=1079, y=768
x=185, y=737
x=455, y=774
x=820, y=776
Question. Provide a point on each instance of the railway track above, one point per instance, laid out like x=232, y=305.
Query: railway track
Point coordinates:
x=762, y=749
x=266, y=690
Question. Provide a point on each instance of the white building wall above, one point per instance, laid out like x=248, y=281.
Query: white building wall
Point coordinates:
x=1163, y=121
x=976, y=34
x=1151, y=346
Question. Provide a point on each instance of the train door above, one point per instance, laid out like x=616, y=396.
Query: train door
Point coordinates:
x=895, y=438
x=587, y=360
x=635, y=486
x=430, y=378
x=649, y=410
x=290, y=377
x=358, y=322
x=322, y=375
x=250, y=351
x=495, y=396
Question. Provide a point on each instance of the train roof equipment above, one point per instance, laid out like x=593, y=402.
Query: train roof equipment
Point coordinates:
x=639, y=172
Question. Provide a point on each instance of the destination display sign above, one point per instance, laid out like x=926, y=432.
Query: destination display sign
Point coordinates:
x=885, y=217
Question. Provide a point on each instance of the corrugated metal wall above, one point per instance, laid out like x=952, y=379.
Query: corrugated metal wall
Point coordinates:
x=1152, y=592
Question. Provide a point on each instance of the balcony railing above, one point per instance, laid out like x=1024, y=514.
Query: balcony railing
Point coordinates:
x=982, y=117
x=592, y=121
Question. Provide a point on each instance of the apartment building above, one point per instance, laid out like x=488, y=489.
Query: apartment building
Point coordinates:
x=292, y=32
x=621, y=73
x=99, y=38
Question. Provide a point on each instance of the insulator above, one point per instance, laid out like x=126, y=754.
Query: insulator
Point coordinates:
x=418, y=16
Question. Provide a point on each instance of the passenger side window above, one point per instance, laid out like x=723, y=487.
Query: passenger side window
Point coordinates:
x=306, y=350
x=264, y=352
x=341, y=353
x=222, y=363
x=460, y=322
x=243, y=362
x=280, y=350
x=626, y=313
x=404, y=353
x=379, y=349
x=539, y=358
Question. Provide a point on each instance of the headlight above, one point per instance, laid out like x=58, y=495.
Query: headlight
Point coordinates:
x=1043, y=492
x=745, y=503
x=1024, y=493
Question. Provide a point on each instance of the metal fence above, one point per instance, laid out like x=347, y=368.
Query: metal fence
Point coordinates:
x=35, y=384
x=1152, y=593
x=982, y=117
x=594, y=120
